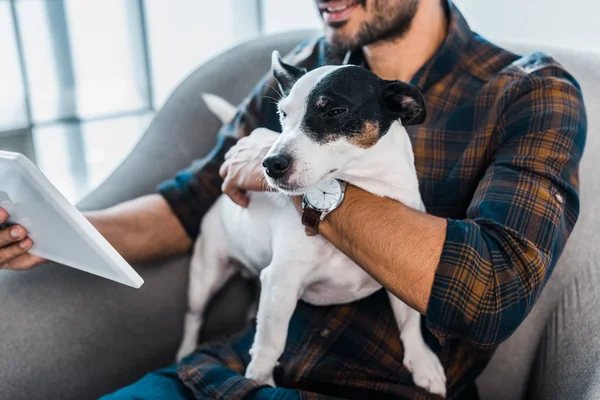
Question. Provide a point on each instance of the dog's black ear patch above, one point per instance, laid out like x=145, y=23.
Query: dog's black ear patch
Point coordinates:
x=404, y=101
x=285, y=74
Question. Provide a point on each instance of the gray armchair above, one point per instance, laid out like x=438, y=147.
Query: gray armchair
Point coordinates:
x=65, y=334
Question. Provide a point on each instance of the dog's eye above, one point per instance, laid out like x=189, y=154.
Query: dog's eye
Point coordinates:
x=335, y=112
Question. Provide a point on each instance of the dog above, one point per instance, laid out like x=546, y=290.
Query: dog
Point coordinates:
x=339, y=122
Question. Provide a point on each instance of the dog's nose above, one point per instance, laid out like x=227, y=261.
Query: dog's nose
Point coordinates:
x=276, y=165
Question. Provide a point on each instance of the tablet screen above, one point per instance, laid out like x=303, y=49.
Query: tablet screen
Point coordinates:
x=59, y=231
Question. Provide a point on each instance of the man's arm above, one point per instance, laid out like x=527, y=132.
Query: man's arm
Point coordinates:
x=403, y=256
x=479, y=277
x=142, y=229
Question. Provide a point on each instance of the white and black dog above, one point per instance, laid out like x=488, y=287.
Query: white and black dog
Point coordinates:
x=339, y=122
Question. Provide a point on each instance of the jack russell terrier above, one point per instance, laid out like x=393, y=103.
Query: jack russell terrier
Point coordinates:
x=340, y=124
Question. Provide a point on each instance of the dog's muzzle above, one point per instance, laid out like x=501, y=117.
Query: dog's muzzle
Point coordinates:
x=276, y=165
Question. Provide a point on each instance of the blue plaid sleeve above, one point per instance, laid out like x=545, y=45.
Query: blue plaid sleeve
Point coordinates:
x=193, y=190
x=496, y=261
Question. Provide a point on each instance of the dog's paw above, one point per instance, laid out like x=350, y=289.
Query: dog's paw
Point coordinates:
x=184, y=351
x=260, y=373
x=188, y=345
x=426, y=369
x=191, y=328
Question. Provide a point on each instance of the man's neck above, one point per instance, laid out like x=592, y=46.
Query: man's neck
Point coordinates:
x=402, y=58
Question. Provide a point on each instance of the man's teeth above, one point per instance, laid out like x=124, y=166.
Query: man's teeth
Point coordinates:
x=338, y=8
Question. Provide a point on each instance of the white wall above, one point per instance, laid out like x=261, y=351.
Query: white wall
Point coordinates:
x=286, y=15
x=183, y=34
x=572, y=23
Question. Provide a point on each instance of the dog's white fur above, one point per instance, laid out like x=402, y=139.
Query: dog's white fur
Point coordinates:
x=269, y=240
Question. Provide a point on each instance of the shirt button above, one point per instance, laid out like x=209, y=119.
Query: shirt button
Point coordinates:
x=325, y=333
x=559, y=198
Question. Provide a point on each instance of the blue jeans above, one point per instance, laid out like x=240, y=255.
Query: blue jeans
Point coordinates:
x=157, y=385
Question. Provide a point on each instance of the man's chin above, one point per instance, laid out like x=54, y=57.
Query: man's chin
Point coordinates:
x=338, y=40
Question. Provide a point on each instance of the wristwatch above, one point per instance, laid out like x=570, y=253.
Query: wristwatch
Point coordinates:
x=319, y=201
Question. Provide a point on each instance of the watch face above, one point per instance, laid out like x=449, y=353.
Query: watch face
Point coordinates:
x=325, y=196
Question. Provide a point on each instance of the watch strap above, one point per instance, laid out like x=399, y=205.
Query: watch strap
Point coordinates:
x=310, y=220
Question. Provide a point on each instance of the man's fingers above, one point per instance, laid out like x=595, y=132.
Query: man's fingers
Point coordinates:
x=238, y=196
x=224, y=170
x=3, y=215
x=10, y=252
x=240, y=146
x=24, y=262
x=259, y=183
x=12, y=234
x=266, y=187
x=14, y=245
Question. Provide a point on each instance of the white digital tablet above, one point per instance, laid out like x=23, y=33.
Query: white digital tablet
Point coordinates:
x=59, y=231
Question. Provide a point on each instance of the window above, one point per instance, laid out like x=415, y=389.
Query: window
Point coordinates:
x=13, y=109
x=81, y=80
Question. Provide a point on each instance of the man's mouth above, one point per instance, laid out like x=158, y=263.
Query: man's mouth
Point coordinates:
x=336, y=11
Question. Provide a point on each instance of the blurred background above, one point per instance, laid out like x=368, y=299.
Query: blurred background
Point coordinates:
x=80, y=80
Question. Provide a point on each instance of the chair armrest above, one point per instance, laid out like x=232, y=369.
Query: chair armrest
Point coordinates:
x=567, y=364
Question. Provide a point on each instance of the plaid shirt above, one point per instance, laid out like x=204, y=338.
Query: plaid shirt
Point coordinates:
x=498, y=156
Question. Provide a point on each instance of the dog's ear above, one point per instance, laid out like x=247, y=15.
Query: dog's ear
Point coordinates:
x=285, y=74
x=404, y=101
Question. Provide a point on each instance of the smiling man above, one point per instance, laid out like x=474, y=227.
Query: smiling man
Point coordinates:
x=497, y=159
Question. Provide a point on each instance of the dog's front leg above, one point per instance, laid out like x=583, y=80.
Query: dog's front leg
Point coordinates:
x=280, y=290
x=423, y=363
x=209, y=271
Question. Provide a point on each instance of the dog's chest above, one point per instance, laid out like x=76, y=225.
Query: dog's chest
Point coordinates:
x=338, y=280
x=249, y=231
x=270, y=229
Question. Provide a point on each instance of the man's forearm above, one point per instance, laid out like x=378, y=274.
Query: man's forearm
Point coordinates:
x=398, y=246
x=142, y=229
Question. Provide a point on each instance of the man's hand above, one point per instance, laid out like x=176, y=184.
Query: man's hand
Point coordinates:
x=14, y=247
x=242, y=170
x=297, y=201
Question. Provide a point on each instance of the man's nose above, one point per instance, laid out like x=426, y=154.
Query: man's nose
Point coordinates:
x=276, y=165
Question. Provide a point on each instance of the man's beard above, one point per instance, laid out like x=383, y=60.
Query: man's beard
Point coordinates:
x=390, y=20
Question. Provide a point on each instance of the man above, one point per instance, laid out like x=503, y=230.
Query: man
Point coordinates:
x=498, y=160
